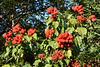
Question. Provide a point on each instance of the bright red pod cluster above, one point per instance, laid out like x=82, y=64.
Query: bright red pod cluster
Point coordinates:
x=74, y=64
x=57, y=55
x=81, y=18
x=16, y=28
x=7, y=36
x=22, y=31
x=31, y=32
x=53, y=12
x=92, y=17
x=17, y=39
x=41, y=56
x=6, y=43
x=65, y=39
x=79, y=9
x=49, y=33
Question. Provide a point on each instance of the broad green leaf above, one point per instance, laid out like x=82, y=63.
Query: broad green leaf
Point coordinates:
x=30, y=46
x=55, y=65
x=6, y=65
x=7, y=51
x=48, y=59
x=73, y=21
x=36, y=63
x=55, y=23
x=27, y=65
x=79, y=40
x=27, y=38
x=48, y=65
x=35, y=36
x=70, y=30
x=69, y=53
x=69, y=16
x=53, y=44
x=67, y=61
x=48, y=21
x=81, y=30
x=56, y=32
x=61, y=63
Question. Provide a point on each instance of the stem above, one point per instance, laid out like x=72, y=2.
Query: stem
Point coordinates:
x=51, y=52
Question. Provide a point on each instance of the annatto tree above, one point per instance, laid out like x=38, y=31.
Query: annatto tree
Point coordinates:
x=66, y=37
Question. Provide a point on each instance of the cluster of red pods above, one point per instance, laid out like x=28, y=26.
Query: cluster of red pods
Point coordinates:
x=53, y=12
x=75, y=63
x=78, y=8
x=41, y=56
x=18, y=38
x=65, y=39
x=92, y=17
x=57, y=55
x=49, y=33
x=81, y=18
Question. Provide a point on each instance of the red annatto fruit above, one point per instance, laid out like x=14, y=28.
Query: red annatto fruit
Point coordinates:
x=6, y=43
x=5, y=35
x=91, y=16
x=42, y=59
x=93, y=19
x=73, y=8
x=9, y=39
x=39, y=55
x=18, y=25
x=62, y=46
x=55, y=9
x=66, y=41
x=9, y=33
x=53, y=31
x=51, y=16
x=81, y=12
x=70, y=41
x=50, y=36
x=69, y=48
x=50, y=31
x=52, y=20
x=22, y=31
x=59, y=46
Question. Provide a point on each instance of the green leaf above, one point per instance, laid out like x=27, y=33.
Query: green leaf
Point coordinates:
x=56, y=32
x=73, y=21
x=27, y=38
x=53, y=44
x=7, y=51
x=55, y=65
x=67, y=61
x=61, y=63
x=36, y=63
x=69, y=16
x=55, y=23
x=35, y=36
x=81, y=30
x=30, y=46
x=48, y=65
x=48, y=59
x=27, y=65
x=70, y=30
x=62, y=30
x=48, y=21
x=6, y=65
x=79, y=40
x=69, y=53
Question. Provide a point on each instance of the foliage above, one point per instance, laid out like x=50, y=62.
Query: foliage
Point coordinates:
x=86, y=37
